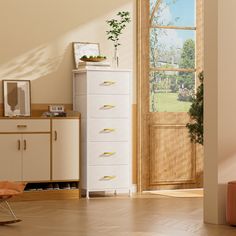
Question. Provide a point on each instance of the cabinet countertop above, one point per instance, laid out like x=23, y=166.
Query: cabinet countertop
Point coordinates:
x=39, y=117
x=80, y=70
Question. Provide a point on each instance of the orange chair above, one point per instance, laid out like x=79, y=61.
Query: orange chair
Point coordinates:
x=8, y=190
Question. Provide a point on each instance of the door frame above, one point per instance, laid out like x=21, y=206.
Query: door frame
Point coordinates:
x=142, y=49
x=140, y=60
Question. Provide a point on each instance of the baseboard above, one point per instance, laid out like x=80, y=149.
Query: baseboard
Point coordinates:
x=48, y=195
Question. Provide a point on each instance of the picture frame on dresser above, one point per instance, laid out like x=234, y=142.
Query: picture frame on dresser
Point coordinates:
x=16, y=98
x=85, y=48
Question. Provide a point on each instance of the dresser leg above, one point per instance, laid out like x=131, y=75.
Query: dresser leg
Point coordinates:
x=87, y=194
x=130, y=193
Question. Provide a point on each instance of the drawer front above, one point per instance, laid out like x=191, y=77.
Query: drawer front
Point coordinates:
x=108, y=177
x=108, y=82
x=109, y=106
x=24, y=125
x=108, y=153
x=108, y=130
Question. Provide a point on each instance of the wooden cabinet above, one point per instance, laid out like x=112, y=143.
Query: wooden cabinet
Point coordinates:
x=103, y=97
x=24, y=156
x=36, y=150
x=65, y=149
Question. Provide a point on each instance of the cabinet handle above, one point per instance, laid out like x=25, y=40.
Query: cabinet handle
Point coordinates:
x=55, y=135
x=107, y=177
x=108, y=130
x=25, y=145
x=18, y=144
x=109, y=153
x=108, y=83
x=108, y=106
x=21, y=126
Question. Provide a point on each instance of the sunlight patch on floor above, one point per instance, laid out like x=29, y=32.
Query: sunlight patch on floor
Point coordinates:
x=178, y=192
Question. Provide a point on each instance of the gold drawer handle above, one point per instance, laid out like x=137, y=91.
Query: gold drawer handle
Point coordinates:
x=108, y=83
x=106, y=107
x=21, y=126
x=108, y=177
x=108, y=130
x=109, y=153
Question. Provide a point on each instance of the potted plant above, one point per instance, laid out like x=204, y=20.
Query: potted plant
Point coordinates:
x=116, y=29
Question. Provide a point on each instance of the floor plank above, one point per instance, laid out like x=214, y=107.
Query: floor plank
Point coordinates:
x=114, y=216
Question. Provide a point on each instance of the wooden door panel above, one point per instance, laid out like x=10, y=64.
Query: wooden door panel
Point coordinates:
x=172, y=155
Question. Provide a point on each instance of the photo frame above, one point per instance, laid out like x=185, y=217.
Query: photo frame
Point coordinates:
x=16, y=97
x=83, y=48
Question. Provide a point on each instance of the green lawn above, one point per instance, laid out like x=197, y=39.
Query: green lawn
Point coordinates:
x=168, y=102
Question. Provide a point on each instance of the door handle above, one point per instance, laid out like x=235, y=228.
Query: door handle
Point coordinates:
x=55, y=135
x=25, y=145
x=18, y=144
x=21, y=126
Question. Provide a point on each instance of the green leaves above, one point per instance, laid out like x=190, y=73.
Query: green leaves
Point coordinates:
x=117, y=26
x=195, y=127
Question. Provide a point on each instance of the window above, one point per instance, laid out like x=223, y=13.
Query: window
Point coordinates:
x=172, y=45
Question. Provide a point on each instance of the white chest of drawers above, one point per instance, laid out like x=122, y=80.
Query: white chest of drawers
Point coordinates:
x=103, y=97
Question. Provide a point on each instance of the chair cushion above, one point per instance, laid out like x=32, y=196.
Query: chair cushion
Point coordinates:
x=8, y=188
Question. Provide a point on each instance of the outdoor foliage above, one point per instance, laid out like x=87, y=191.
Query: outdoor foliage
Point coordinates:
x=186, y=79
x=195, y=127
x=171, y=50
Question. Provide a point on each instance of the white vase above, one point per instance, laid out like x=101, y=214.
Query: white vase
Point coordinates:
x=115, y=59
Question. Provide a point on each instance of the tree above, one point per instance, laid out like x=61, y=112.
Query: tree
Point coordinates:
x=195, y=127
x=187, y=61
x=188, y=55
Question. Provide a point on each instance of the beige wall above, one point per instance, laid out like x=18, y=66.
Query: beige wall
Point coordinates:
x=36, y=38
x=210, y=111
x=220, y=109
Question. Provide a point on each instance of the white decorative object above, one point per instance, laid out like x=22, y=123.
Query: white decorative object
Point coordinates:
x=103, y=97
x=94, y=65
x=56, y=108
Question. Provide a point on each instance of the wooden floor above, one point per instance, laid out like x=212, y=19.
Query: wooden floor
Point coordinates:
x=113, y=216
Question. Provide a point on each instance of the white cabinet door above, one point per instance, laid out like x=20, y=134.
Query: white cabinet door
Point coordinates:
x=10, y=157
x=65, y=149
x=36, y=157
